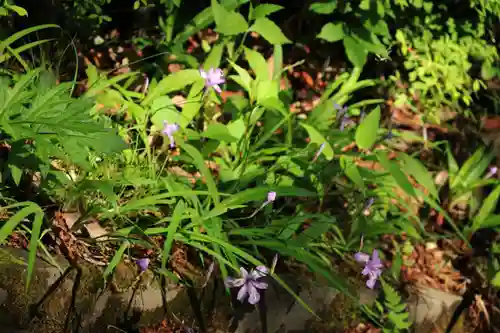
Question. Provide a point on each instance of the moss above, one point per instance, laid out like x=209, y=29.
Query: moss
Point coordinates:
x=15, y=312
x=120, y=310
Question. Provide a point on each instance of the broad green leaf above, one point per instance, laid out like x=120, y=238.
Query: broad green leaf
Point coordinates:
x=488, y=207
x=163, y=109
x=218, y=131
x=173, y=82
x=370, y=42
x=237, y=128
x=395, y=170
x=478, y=169
x=266, y=90
x=317, y=138
x=228, y=22
x=332, y=32
x=416, y=169
x=16, y=173
x=351, y=170
x=356, y=52
x=214, y=57
x=137, y=112
x=366, y=133
x=324, y=7
x=201, y=21
x=467, y=168
x=264, y=10
x=278, y=61
x=191, y=109
x=269, y=31
x=492, y=221
x=496, y=280
x=258, y=64
x=245, y=80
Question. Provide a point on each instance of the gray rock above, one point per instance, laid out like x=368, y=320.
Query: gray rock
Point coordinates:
x=97, y=309
x=429, y=306
x=283, y=312
x=100, y=310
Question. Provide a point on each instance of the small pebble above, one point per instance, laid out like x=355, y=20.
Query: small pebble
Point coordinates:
x=430, y=246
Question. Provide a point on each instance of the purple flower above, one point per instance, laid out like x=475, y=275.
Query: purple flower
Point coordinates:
x=492, y=172
x=249, y=284
x=345, y=120
x=373, y=267
x=169, y=130
x=271, y=196
x=213, y=78
x=342, y=116
x=341, y=111
x=143, y=264
x=369, y=203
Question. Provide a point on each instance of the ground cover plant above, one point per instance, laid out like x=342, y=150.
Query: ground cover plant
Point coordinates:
x=347, y=143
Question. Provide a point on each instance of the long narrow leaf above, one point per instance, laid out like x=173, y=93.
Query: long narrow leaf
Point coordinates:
x=171, y=231
x=116, y=259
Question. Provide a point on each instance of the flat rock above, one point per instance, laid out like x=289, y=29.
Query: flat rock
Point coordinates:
x=431, y=308
x=283, y=312
x=97, y=309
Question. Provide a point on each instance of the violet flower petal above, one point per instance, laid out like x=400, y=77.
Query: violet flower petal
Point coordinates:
x=259, y=285
x=375, y=260
x=203, y=74
x=143, y=264
x=244, y=273
x=361, y=257
x=213, y=78
x=169, y=130
x=216, y=76
x=259, y=271
x=253, y=294
x=371, y=283
x=242, y=293
x=231, y=282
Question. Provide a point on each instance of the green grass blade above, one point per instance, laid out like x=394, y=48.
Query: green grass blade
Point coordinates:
x=205, y=172
x=14, y=221
x=116, y=259
x=177, y=217
x=20, y=34
x=35, y=235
